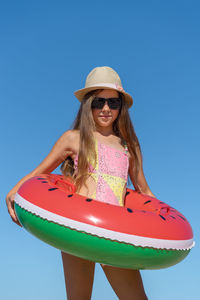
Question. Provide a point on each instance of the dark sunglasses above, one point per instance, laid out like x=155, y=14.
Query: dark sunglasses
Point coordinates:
x=113, y=103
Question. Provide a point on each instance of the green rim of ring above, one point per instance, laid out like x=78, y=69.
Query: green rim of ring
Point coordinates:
x=96, y=248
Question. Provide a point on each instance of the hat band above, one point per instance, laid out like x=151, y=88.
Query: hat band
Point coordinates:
x=115, y=86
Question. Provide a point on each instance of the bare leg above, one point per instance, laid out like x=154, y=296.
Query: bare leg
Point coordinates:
x=126, y=283
x=79, y=276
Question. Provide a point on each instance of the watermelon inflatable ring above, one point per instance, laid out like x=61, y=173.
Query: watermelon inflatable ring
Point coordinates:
x=144, y=234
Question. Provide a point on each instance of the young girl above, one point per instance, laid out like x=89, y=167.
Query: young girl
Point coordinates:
x=98, y=154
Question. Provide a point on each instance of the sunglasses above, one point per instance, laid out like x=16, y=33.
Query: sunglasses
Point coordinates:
x=113, y=103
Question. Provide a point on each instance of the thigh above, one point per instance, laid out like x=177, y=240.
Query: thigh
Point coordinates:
x=79, y=276
x=126, y=283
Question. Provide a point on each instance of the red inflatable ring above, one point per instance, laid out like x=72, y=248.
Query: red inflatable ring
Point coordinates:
x=144, y=234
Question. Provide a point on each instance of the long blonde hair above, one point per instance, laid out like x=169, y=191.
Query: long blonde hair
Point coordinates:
x=122, y=127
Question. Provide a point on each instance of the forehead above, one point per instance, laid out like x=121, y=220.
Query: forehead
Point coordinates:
x=108, y=94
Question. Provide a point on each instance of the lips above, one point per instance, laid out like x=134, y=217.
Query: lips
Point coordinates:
x=105, y=116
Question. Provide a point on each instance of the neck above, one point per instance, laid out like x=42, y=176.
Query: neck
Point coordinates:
x=106, y=131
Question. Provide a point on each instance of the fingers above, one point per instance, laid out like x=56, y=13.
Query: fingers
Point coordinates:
x=14, y=218
x=11, y=209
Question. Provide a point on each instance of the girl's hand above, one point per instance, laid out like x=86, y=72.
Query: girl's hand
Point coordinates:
x=11, y=209
x=149, y=193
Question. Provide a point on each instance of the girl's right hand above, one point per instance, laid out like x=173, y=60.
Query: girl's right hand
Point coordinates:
x=11, y=209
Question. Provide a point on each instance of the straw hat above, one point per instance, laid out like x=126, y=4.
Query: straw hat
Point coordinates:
x=103, y=78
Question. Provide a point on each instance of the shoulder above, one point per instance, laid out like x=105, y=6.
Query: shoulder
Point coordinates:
x=70, y=135
x=70, y=141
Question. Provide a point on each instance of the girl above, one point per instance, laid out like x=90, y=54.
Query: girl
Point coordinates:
x=98, y=154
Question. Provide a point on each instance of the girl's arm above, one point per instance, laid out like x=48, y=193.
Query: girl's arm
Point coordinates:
x=62, y=148
x=141, y=181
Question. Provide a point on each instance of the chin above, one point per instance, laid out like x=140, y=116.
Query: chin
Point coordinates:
x=105, y=124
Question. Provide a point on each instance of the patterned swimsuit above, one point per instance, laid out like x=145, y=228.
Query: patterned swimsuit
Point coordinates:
x=110, y=173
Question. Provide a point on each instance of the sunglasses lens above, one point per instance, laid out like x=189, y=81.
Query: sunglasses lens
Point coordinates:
x=98, y=103
x=114, y=103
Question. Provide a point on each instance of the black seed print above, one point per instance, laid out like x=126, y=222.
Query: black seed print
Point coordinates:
x=182, y=218
x=161, y=202
x=40, y=178
x=88, y=199
x=162, y=217
x=144, y=211
x=69, y=196
x=129, y=210
x=127, y=193
x=172, y=217
x=52, y=189
x=147, y=202
x=44, y=181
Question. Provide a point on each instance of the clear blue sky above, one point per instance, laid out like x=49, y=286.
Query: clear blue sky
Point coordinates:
x=47, y=49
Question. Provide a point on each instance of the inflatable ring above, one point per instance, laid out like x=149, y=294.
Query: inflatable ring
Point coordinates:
x=144, y=234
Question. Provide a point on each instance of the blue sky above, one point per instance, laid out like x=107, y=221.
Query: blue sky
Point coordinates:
x=47, y=49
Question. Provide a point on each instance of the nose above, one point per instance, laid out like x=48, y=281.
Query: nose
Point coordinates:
x=106, y=107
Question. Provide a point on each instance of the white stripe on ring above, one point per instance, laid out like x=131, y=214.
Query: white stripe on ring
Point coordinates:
x=102, y=232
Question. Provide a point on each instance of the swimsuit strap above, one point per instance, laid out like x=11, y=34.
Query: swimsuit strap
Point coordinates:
x=125, y=146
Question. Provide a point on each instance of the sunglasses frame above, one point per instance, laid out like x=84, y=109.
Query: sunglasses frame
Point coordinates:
x=95, y=105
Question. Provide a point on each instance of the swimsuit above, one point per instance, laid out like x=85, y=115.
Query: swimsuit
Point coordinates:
x=110, y=173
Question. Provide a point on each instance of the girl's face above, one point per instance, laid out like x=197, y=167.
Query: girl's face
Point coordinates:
x=105, y=116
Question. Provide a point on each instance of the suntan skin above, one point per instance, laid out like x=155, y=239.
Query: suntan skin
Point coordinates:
x=79, y=273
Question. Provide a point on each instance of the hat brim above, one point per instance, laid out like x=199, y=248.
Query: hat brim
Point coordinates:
x=82, y=92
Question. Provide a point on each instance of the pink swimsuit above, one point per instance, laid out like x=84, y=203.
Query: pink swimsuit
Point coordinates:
x=110, y=173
